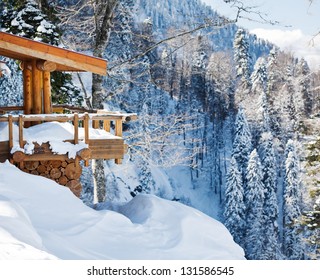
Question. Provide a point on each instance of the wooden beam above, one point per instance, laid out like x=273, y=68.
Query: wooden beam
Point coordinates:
x=47, y=105
x=45, y=65
x=36, y=89
x=25, y=49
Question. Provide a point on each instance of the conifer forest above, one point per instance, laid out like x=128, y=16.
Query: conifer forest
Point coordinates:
x=227, y=123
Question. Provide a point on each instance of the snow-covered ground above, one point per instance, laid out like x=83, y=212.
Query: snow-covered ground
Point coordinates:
x=42, y=220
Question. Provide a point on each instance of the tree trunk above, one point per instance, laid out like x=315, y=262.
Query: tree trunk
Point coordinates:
x=103, y=16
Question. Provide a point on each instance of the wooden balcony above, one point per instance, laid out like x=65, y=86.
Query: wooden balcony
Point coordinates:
x=110, y=147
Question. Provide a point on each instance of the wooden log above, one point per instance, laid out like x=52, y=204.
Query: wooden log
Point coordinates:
x=27, y=92
x=55, y=173
x=44, y=162
x=55, y=163
x=18, y=156
x=64, y=164
x=42, y=169
x=47, y=105
x=34, y=172
x=63, y=180
x=45, y=65
x=36, y=88
x=31, y=165
x=73, y=171
x=84, y=154
x=75, y=187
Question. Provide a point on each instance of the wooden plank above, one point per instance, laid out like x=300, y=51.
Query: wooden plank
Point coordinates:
x=38, y=157
x=36, y=89
x=105, y=155
x=103, y=142
x=47, y=105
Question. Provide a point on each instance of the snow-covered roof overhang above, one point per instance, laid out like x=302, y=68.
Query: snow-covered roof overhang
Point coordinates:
x=24, y=49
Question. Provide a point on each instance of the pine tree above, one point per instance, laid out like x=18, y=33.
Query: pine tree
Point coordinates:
x=234, y=209
x=11, y=85
x=242, y=146
x=293, y=247
x=242, y=57
x=271, y=247
x=254, y=199
x=304, y=101
x=25, y=19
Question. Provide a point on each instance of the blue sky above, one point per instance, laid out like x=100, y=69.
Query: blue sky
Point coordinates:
x=299, y=22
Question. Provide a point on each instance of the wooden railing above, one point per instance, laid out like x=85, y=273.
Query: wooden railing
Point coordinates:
x=101, y=119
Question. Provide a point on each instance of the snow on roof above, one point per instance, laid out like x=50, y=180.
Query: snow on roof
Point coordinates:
x=40, y=219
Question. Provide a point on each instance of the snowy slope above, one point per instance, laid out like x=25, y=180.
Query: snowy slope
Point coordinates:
x=42, y=220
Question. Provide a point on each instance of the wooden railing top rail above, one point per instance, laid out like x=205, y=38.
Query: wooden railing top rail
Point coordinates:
x=70, y=117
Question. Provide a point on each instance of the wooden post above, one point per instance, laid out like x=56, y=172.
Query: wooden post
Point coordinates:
x=21, y=131
x=118, y=132
x=76, y=128
x=10, y=131
x=47, y=106
x=36, y=88
x=118, y=128
x=86, y=128
x=95, y=124
x=106, y=125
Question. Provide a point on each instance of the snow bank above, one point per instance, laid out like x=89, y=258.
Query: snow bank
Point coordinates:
x=42, y=220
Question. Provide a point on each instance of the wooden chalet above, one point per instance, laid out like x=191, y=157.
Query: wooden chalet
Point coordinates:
x=37, y=61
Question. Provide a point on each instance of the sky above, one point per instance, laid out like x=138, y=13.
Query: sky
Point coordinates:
x=299, y=22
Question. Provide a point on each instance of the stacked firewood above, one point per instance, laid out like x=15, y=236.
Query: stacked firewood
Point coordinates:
x=64, y=172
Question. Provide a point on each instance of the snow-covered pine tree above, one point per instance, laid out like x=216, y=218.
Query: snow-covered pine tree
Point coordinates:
x=234, y=209
x=242, y=58
x=293, y=245
x=25, y=19
x=303, y=95
x=271, y=247
x=11, y=84
x=254, y=199
x=242, y=146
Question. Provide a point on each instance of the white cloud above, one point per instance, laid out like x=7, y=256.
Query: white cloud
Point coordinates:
x=294, y=41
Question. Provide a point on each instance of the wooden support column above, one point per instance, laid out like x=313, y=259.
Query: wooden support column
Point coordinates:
x=47, y=105
x=36, y=88
x=27, y=91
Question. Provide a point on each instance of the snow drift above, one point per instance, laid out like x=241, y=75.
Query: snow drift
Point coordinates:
x=40, y=219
